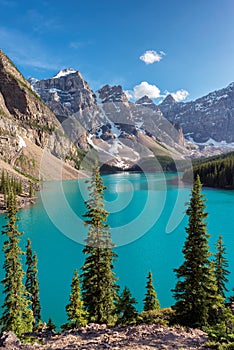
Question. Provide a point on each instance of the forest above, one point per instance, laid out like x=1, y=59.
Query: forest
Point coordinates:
x=199, y=293
x=214, y=172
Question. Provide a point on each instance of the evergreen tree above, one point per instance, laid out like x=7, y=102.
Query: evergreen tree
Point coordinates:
x=50, y=325
x=75, y=309
x=17, y=316
x=125, y=308
x=151, y=301
x=32, y=284
x=197, y=300
x=98, y=278
x=31, y=190
x=221, y=265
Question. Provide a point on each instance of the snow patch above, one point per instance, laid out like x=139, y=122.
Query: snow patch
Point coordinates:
x=64, y=72
x=21, y=142
x=212, y=142
x=114, y=128
x=53, y=90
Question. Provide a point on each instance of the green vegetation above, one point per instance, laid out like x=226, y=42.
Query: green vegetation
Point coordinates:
x=32, y=285
x=151, y=301
x=98, y=279
x=78, y=157
x=127, y=313
x=30, y=177
x=75, y=309
x=199, y=291
x=50, y=325
x=215, y=171
x=10, y=184
x=17, y=315
x=196, y=292
x=45, y=128
x=221, y=266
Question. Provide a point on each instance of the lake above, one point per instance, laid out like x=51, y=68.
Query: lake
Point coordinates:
x=147, y=225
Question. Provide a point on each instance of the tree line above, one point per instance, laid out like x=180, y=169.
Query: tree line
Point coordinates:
x=214, y=172
x=95, y=295
x=10, y=183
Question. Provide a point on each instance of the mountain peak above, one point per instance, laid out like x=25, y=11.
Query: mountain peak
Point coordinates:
x=64, y=72
x=145, y=100
x=169, y=99
x=112, y=94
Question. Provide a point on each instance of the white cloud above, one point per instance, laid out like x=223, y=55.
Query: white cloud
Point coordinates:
x=143, y=89
x=152, y=91
x=179, y=95
x=151, y=56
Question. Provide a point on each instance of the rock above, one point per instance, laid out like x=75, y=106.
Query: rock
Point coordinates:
x=209, y=117
x=25, y=117
x=9, y=341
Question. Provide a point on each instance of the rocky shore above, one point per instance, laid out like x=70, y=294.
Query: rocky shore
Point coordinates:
x=95, y=336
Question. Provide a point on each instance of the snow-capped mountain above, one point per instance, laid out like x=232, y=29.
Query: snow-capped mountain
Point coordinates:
x=107, y=121
x=124, y=131
x=207, y=120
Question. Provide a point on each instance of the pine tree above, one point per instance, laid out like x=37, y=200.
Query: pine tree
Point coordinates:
x=17, y=316
x=151, y=301
x=197, y=300
x=221, y=265
x=31, y=190
x=125, y=308
x=50, y=325
x=75, y=309
x=32, y=284
x=98, y=278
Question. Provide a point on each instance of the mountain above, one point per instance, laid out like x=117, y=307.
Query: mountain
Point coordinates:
x=120, y=131
x=207, y=120
x=29, y=131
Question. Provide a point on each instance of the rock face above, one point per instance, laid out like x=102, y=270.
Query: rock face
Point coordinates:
x=100, y=337
x=107, y=121
x=25, y=120
x=208, y=118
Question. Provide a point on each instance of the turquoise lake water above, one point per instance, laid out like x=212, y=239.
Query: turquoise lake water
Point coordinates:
x=147, y=225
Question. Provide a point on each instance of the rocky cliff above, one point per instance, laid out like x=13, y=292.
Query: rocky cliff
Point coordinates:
x=27, y=126
x=207, y=120
x=120, y=131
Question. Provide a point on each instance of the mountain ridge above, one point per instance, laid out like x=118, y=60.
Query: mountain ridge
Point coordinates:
x=27, y=124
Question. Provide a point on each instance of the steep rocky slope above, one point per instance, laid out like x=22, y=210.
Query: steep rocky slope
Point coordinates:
x=123, y=132
x=209, y=119
x=25, y=121
x=120, y=131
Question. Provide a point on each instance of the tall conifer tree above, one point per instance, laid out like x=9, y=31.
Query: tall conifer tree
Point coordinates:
x=151, y=301
x=75, y=309
x=98, y=278
x=32, y=284
x=197, y=299
x=221, y=265
x=17, y=316
x=125, y=307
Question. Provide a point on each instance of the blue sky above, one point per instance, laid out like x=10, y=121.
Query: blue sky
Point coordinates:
x=184, y=45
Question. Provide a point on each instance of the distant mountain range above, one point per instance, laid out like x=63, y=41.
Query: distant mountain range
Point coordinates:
x=207, y=120
x=106, y=120
x=123, y=133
